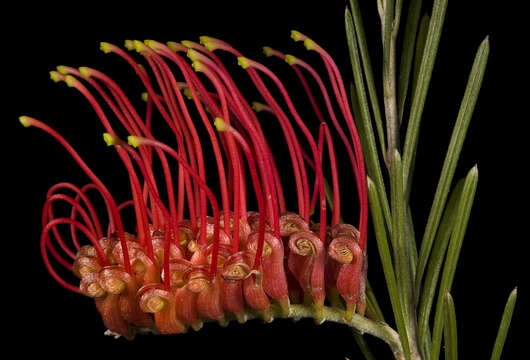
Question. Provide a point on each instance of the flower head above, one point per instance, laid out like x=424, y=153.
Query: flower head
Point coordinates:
x=197, y=254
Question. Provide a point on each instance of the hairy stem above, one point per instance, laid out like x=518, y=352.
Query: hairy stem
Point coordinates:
x=358, y=323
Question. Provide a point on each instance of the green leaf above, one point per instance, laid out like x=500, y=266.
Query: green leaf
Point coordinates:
x=398, y=232
x=453, y=152
x=365, y=349
x=388, y=269
x=435, y=262
x=410, y=239
x=504, y=326
x=387, y=33
x=366, y=132
x=372, y=303
x=420, y=46
x=368, y=73
x=407, y=52
x=450, y=331
x=424, y=78
x=453, y=253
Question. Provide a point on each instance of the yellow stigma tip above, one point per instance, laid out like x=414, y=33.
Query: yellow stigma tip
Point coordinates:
x=220, y=124
x=139, y=46
x=150, y=43
x=290, y=59
x=174, y=46
x=85, y=71
x=197, y=65
x=192, y=54
x=70, y=80
x=145, y=96
x=257, y=106
x=25, y=121
x=309, y=44
x=56, y=76
x=110, y=140
x=62, y=69
x=187, y=43
x=134, y=141
x=129, y=44
x=105, y=47
x=243, y=62
x=297, y=35
x=207, y=42
x=267, y=50
x=187, y=93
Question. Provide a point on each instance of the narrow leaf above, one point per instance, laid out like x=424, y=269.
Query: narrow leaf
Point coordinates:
x=365, y=349
x=504, y=326
x=387, y=33
x=372, y=303
x=420, y=46
x=410, y=239
x=453, y=253
x=424, y=78
x=368, y=73
x=450, y=330
x=386, y=261
x=436, y=260
x=407, y=53
x=453, y=152
x=398, y=232
x=365, y=126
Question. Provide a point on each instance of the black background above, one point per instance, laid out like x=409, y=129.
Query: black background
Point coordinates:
x=51, y=319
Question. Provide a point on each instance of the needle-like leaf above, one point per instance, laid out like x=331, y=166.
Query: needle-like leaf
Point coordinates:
x=420, y=46
x=436, y=260
x=407, y=53
x=398, y=232
x=388, y=269
x=451, y=159
x=387, y=33
x=365, y=349
x=450, y=331
x=504, y=326
x=453, y=253
x=424, y=78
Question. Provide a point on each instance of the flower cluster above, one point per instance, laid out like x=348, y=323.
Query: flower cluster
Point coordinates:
x=191, y=257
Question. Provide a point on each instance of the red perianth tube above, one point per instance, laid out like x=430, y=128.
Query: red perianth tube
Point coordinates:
x=335, y=218
x=268, y=51
x=28, y=121
x=139, y=141
x=140, y=208
x=340, y=92
x=112, y=140
x=107, y=48
x=324, y=132
x=244, y=62
x=222, y=126
x=264, y=157
x=188, y=75
x=149, y=53
x=126, y=112
x=295, y=62
x=233, y=153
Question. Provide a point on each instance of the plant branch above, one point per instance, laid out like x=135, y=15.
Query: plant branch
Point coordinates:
x=358, y=323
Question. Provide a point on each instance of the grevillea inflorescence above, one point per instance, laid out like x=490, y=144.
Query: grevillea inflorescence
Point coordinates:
x=193, y=255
